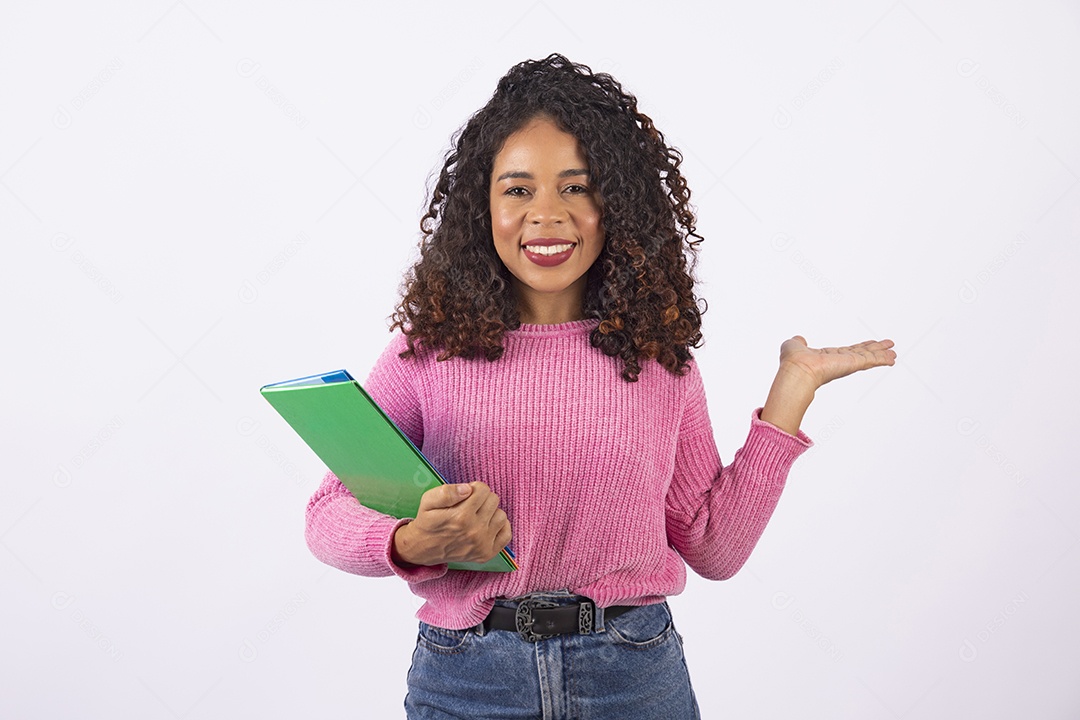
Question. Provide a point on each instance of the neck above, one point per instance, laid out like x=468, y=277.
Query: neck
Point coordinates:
x=550, y=308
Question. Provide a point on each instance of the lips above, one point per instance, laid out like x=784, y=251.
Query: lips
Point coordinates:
x=548, y=252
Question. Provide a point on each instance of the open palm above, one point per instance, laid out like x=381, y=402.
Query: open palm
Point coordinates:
x=822, y=365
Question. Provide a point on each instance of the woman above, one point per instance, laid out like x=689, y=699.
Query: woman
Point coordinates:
x=543, y=364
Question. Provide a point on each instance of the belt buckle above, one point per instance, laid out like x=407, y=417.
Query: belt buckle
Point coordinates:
x=523, y=618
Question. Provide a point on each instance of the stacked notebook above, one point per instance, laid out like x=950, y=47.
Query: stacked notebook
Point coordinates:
x=371, y=456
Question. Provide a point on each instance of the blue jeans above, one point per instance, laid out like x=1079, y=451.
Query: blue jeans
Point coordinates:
x=631, y=666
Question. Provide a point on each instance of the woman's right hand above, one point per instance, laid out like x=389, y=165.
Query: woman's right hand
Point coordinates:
x=458, y=522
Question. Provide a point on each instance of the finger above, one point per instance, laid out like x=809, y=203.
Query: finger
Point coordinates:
x=498, y=533
x=445, y=496
x=877, y=349
x=876, y=354
x=866, y=348
x=873, y=355
x=488, y=508
x=797, y=339
x=503, y=537
x=478, y=494
x=876, y=344
x=498, y=521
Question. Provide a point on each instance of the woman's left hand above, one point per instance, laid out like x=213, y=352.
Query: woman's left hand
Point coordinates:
x=804, y=369
x=817, y=366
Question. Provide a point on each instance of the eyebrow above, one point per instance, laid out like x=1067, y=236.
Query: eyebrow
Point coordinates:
x=521, y=174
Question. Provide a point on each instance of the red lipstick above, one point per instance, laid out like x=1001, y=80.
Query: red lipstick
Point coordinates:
x=545, y=257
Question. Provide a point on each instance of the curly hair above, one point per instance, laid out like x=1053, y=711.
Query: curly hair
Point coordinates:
x=459, y=297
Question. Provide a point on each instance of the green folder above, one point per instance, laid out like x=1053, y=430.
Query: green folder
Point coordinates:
x=369, y=454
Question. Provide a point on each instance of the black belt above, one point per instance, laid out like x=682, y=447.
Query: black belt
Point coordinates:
x=540, y=619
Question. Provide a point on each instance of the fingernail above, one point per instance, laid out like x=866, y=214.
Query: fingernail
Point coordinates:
x=464, y=490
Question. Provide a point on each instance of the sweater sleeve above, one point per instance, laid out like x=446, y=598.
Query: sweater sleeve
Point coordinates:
x=339, y=530
x=717, y=513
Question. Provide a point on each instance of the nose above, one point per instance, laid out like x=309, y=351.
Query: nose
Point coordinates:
x=546, y=208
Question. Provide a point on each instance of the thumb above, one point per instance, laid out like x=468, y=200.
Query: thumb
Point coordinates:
x=446, y=496
x=793, y=343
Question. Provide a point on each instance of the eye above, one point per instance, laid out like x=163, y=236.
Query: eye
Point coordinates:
x=576, y=189
x=517, y=191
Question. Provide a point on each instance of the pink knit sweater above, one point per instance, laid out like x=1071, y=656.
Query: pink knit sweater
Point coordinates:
x=609, y=486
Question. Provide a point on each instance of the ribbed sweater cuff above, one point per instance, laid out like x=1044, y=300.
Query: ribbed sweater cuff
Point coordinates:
x=787, y=444
x=415, y=573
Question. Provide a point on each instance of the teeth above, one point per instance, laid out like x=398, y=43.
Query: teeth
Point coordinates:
x=549, y=249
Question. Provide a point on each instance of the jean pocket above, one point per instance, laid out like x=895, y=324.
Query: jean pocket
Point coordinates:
x=642, y=627
x=442, y=640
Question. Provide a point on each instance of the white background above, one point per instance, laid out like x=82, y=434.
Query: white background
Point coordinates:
x=199, y=199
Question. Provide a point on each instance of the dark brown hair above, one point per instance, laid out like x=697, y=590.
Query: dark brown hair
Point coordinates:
x=458, y=297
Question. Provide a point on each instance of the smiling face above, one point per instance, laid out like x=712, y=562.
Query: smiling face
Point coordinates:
x=545, y=220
